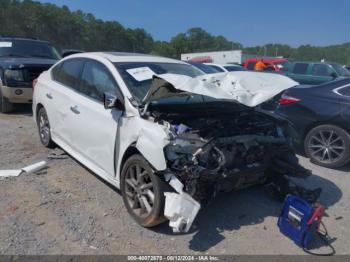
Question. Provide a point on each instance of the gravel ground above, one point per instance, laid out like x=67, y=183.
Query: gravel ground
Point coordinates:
x=66, y=209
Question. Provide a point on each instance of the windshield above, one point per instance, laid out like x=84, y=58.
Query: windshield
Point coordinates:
x=205, y=68
x=27, y=48
x=341, y=70
x=138, y=75
x=234, y=68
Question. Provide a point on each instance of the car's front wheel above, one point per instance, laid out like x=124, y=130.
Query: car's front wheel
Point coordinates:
x=328, y=146
x=143, y=191
x=44, y=128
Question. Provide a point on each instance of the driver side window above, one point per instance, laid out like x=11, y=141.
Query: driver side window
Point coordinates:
x=321, y=70
x=96, y=80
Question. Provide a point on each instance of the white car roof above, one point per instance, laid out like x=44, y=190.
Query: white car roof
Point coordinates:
x=116, y=57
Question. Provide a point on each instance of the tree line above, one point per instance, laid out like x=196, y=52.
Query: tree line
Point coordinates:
x=68, y=29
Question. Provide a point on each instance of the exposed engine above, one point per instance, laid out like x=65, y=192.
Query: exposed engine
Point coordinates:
x=224, y=147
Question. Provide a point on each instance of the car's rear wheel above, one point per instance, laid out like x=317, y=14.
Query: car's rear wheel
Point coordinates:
x=5, y=105
x=143, y=191
x=328, y=146
x=44, y=128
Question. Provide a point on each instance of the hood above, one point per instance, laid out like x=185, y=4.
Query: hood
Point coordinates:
x=248, y=88
x=19, y=62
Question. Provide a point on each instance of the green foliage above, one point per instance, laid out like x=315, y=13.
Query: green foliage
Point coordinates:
x=78, y=30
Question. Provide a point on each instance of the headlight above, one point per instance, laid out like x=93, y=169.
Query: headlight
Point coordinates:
x=14, y=75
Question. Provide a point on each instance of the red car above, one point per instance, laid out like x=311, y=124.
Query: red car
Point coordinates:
x=273, y=64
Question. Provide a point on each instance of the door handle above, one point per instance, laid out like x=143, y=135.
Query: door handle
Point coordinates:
x=49, y=96
x=74, y=109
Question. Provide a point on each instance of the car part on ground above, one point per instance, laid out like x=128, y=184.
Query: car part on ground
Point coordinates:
x=163, y=132
x=321, y=116
x=25, y=170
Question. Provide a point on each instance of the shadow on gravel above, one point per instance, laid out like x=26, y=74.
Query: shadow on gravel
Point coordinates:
x=22, y=109
x=232, y=211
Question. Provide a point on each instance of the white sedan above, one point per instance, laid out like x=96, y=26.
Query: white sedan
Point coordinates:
x=226, y=67
x=166, y=135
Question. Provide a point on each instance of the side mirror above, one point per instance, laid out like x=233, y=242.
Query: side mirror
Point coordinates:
x=112, y=101
x=334, y=75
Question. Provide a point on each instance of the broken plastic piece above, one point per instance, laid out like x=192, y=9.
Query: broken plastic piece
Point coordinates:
x=10, y=173
x=34, y=168
x=181, y=210
x=28, y=170
x=175, y=183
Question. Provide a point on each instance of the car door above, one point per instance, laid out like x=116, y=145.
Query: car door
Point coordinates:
x=322, y=73
x=66, y=79
x=93, y=127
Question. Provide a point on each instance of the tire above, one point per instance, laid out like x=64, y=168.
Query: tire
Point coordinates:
x=136, y=174
x=44, y=128
x=328, y=146
x=5, y=105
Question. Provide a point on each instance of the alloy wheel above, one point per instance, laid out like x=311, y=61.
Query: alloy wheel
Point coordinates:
x=44, y=127
x=139, y=190
x=326, y=146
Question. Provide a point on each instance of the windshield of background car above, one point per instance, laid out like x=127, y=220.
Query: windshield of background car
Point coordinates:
x=26, y=48
x=205, y=68
x=341, y=70
x=138, y=75
x=284, y=66
x=234, y=68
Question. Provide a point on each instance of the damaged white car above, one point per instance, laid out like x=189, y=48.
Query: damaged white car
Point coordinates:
x=169, y=137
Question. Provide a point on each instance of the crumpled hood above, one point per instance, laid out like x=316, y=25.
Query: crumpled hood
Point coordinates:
x=248, y=88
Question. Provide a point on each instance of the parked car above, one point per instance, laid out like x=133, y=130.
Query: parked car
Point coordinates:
x=21, y=61
x=315, y=73
x=225, y=67
x=273, y=64
x=321, y=116
x=164, y=133
x=204, y=68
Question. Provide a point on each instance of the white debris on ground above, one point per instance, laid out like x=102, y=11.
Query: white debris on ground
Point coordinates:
x=25, y=170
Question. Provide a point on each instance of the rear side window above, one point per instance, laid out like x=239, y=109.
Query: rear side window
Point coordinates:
x=68, y=73
x=300, y=68
x=321, y=70
x=344, y=91
x=96, y=80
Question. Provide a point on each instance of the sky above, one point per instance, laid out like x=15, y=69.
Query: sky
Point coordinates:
x=250, y=22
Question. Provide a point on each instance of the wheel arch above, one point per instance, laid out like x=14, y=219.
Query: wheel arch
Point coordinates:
x=38, y=107
x=131, y=150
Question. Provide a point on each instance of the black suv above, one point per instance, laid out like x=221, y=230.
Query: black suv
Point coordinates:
x=21, y=61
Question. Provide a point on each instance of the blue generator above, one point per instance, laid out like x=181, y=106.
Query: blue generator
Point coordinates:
x=300, y=221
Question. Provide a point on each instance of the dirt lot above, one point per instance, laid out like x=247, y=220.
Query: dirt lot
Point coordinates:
x=68, y=210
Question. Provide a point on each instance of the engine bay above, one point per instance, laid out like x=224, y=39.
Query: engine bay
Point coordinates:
x=224, y=146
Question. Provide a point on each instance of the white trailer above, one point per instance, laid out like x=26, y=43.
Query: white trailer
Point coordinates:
x=219, y=57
